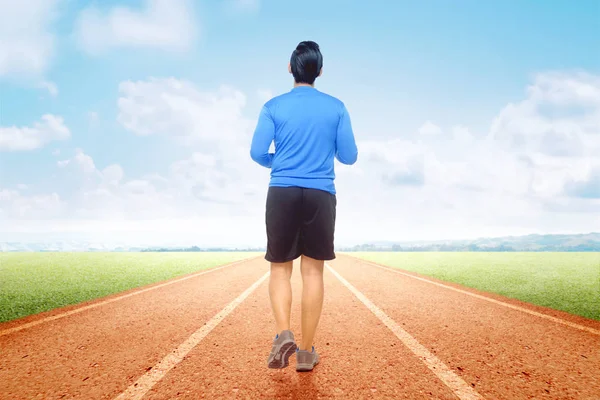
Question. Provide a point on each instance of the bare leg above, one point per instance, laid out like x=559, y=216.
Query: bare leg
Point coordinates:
x=280, y=293
x=312, y=299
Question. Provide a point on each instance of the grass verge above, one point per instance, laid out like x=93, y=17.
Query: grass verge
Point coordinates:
x=564, y=281
x=31, y=283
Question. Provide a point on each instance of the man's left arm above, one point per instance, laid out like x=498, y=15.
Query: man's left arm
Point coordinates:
x=262, y=139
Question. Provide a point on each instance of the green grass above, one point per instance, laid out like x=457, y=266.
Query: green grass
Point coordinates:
x=35, y=282
x=564, y=281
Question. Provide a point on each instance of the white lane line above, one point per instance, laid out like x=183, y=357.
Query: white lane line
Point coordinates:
x=139, y=388
x=458, y=386
x=101, y=303
x=508, y=305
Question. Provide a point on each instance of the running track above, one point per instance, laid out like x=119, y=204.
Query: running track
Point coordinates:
x=383, y=335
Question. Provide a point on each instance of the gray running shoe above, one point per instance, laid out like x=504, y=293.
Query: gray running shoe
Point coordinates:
x=284, y=346
x=306, y=360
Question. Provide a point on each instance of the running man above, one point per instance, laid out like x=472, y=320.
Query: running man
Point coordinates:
x=309, y=128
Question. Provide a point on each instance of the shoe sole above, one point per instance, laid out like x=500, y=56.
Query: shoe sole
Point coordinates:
x=286, y=350
x=306, y=367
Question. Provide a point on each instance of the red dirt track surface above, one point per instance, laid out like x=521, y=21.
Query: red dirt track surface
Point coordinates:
x=493, y=351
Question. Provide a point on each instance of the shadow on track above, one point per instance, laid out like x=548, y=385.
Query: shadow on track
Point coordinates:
x=295, y=385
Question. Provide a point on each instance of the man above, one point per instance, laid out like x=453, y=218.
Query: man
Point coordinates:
x=309, y=128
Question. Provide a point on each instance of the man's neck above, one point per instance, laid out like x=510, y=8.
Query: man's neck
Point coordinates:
x=296, y=84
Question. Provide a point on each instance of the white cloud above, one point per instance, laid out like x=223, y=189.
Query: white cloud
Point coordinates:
x=218, y=178
x=50, y=87
x=559, y=117
x=450, y=184
x=112, y=175
x=429, y=128
x=85, y=163
x=50, y=128
x=534, y=147
x=27, y=41
x=212, y=124
x=536, y=170
x=200, y=186
x=17, y=206
x=556, y=130
x=177, y=108
x=587, y=186
x=163, y=24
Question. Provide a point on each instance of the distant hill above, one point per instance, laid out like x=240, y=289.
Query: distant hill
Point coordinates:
x=78, y=246
x=66, y=246
x=578, y=242
x=199, y=249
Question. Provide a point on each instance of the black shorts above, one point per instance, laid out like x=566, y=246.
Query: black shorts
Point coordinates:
x=300, y=221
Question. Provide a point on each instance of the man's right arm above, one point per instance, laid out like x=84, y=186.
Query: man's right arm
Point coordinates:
x=346, y=150
x=262, y=139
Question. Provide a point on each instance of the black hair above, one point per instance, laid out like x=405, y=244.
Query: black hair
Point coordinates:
x=306, y=62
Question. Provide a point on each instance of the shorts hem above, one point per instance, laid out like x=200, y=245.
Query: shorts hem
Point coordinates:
x=288, y=259
x=280, y=260
x=330, y=257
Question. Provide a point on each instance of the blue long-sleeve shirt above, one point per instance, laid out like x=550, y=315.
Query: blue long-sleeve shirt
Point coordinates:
x=310, y=129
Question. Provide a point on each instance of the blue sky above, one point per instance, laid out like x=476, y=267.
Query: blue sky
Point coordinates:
x=414, y=75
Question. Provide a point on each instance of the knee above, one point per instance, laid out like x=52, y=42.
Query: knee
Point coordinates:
x=312, y=269
x=312, y=274
x=281, y=272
